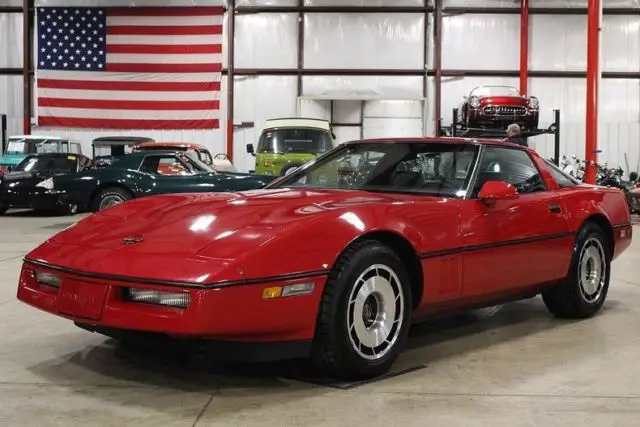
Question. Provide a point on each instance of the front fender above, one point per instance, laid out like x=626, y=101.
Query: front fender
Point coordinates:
x=315, y=244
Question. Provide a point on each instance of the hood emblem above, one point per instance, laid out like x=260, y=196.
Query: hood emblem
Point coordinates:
x=132, y=240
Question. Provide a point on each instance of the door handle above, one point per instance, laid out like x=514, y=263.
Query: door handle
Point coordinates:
x=555, y=209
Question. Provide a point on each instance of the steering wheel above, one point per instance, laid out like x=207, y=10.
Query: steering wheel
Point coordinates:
x=222, y=156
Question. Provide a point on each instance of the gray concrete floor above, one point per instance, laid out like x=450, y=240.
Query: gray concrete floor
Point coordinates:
x=508, y=366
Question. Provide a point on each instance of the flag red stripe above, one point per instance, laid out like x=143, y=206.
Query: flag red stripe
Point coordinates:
x=165, y=11
x=129, y=86
x=104, y=104
x=128, y=123
x=164, y=49
x=165, y=68
x=157, y=30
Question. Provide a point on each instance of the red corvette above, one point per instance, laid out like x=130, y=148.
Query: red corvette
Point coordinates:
x=496, y=107
x=336, y=267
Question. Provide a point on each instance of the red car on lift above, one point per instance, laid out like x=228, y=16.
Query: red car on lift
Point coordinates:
x=496, y=107
x=336, y=268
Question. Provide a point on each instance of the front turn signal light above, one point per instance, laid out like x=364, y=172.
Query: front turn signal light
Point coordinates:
x=269, y=293
x=288, y=290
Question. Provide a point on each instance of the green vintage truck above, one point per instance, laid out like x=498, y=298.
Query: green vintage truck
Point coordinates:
x=19, y=147
x=288, y=143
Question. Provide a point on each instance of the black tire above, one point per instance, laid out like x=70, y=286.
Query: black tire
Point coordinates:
x=575, y=297
x=69, y=209
x=3, y=210
x=334, y=350
x=112, y=193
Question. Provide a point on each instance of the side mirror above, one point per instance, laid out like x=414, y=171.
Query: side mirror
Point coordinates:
x=493, y=191
x=250, y=149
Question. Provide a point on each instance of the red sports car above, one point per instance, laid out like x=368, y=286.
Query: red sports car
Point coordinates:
x=496, y=107
x=335, y=267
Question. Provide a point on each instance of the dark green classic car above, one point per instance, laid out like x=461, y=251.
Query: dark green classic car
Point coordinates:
x=147, y=173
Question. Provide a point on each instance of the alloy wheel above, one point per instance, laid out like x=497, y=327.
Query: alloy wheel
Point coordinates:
x=592, y=270
x=375, y=312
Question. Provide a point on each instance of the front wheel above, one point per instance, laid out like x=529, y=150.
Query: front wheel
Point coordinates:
x=110, y=197
x=364, y=314
x=583, y=292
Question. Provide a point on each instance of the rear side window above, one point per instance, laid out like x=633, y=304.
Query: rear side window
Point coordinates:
x=563, y=179
x=512, y=166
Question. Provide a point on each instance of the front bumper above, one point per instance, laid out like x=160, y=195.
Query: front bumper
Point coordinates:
x=36, y=199
x=237, y=313
x=510, y=114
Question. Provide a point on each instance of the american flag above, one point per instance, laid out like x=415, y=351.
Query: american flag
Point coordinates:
x=129, y=68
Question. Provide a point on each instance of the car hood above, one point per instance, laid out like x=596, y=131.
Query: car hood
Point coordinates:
x=192, y=236
x=22, y=178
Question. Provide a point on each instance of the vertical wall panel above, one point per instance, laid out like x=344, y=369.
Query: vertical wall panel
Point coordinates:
x=621, y=43
x=371, y=41
x=266, y=40
x=558, y=42
x=259, y=98
x=11, y=102
x=10, y=40
x=479, y=41
x=568, y=95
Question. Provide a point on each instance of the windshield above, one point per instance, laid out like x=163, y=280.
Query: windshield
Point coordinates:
x=49, y=164
x=32, y=146
x=495, y=91
x=197, y=166
x=287, y=141
x=440, y=169
x=112, y=150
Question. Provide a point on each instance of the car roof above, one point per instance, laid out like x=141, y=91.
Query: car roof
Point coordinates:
x=120, y=140
x=55, y=155
x=170, y=144
x=56, y=138
x=439, y=140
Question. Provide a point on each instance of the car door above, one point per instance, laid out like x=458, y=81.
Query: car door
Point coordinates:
x=518, y=242
x=173, y=175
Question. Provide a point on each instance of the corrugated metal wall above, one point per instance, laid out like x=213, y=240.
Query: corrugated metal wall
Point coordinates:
x=395, y=41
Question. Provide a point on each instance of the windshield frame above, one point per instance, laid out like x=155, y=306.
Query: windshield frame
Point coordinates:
x=463, y=193
x=507, y=88
x=34, y=143
x=300, y=128
x=196, y=165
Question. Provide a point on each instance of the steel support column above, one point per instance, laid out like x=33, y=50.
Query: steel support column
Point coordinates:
x=437, y=41
x=593, y=76
x=524, y=46
x=26, y=65
x=231, y=21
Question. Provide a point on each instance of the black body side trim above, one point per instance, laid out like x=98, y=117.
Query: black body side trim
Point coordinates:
x=526, y=240
x=192, y=285
x=619, y=226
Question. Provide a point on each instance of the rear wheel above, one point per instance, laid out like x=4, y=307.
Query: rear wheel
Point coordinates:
x=364, y=314
x=110, y=197
x=583, y=292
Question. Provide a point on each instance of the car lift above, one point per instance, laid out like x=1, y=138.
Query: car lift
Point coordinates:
x=3, y=133
x=457, y=129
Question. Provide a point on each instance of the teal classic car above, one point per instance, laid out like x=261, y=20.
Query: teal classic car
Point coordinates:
x=146, y=173
x=19, y=147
